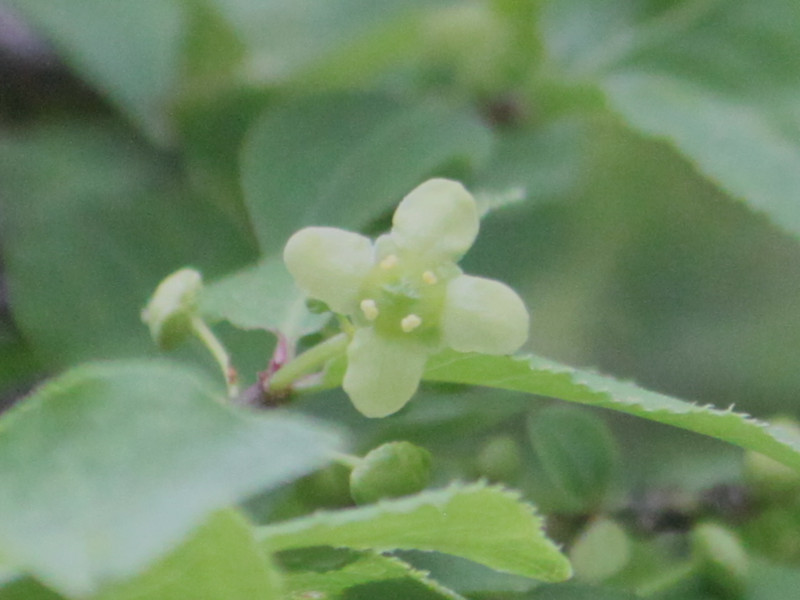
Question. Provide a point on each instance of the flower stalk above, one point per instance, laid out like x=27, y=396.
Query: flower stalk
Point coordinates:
x=220, y=354
x=309, y=362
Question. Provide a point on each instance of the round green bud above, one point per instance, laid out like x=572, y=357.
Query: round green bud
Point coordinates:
x=602, y=550
x=390, y=471
x=172, y=307
x=721, y=558
x=326, y=488
x=499, y=459
x=470, y=41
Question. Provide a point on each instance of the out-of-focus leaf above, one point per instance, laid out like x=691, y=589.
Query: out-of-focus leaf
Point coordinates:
x=130, y=51
x=343, y=160
x=717, y=78
x=773, y=533
x=540, y=165
x=212, y=127
x=110, y=465
x=262, y=296
x=27, y=588
x=345, y=573
x=772, y=582
x=571, y=591
x=91, y=225
x=213, y=50
x=465, y=576
x=543, y=377
x=221, y=560
x=484, y=524
x=735, y=144
x=577, y=452
x=287, y=38
x=18, y=364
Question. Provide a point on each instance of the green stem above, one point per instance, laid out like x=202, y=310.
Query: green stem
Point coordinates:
x=345, y=325
x=218, y=351
x=308, y=362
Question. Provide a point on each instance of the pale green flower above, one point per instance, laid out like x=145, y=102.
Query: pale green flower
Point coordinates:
x=406, y=295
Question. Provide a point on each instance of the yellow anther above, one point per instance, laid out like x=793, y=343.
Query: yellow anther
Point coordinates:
x=370, y=309
x=429, y=277
x=389, y=262
x=410, y=323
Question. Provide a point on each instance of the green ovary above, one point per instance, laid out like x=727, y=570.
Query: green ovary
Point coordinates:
x=401, y=299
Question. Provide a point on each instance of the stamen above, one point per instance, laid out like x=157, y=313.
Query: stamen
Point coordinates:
x=430, y=278
x=389, y=262
x=370, y=309
x=410, y=323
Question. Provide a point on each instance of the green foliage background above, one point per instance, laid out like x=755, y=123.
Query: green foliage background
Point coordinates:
x=639, y=165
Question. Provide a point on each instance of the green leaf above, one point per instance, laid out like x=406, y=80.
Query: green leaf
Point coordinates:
x=111, y=464
x=18, y=364
x=333, y=573
x=733, y=143
x=467, y=577
x=343, y=160
x=540, y=165
x=718, y=79
x=287, y=37
x=484, y=524
x=262, y=296
x=92, y=223
x=127, y=50
x=772, y=581
x=27, y=588
x=220, y=561
x=540, y=376
x=213, y=51
x=577, y=452
x=572, y=591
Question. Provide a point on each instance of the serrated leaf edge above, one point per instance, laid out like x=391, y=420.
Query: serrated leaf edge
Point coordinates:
x=438, y=498
x=776, y=442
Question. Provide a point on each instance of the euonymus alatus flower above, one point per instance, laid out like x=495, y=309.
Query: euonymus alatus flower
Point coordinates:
x=405, y=294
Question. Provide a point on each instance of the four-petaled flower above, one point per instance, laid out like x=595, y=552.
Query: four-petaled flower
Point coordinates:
x=405, y=294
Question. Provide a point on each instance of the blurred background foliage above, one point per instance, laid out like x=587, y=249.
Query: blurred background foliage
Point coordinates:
x=639, y=159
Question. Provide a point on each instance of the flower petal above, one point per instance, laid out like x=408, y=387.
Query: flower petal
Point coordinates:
x=329, y=264
x=483, y=315
x=382, y=373
x=439, y=218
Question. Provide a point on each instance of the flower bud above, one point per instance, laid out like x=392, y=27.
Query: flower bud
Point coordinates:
x=601, y=551
x=470, y=41
x=326, y=488
x=499, y=459
x=170, y=311
x=389, y=471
